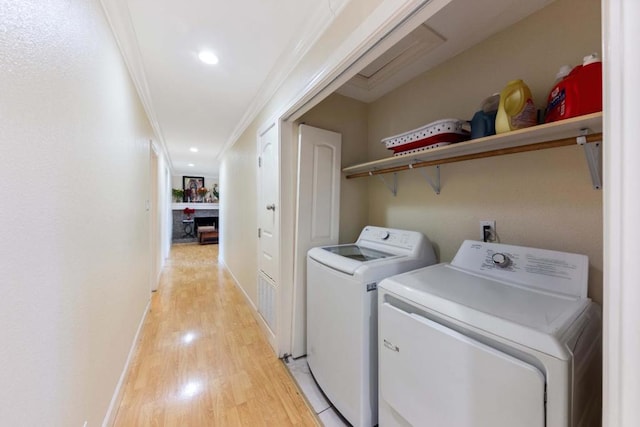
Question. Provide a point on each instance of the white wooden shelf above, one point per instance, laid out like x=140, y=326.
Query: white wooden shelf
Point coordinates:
x=584, y=130
x=194, y=205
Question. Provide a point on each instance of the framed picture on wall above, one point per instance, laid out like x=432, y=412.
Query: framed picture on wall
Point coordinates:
x=191, y=185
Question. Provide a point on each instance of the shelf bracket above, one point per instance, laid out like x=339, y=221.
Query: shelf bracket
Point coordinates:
x=593, y=153
x=391, y=187
x=435, y=185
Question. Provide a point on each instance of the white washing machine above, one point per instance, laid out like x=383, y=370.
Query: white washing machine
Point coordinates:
x=502, y=336
x=342, y=313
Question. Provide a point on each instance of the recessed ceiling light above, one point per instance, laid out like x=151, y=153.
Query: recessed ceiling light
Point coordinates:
x=193, y=149
x=191, y=165
x=208, y=57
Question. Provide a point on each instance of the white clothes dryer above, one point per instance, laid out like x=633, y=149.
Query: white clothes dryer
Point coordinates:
x=342, y=313
x=502, y=336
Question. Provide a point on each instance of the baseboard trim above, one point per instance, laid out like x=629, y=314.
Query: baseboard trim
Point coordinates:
x=110, y=416
x=271, y=338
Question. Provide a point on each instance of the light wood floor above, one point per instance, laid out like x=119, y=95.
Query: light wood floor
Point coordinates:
x=202, y=359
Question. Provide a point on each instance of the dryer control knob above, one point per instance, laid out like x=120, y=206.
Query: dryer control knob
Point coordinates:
x=501, y=260
x=384, y=235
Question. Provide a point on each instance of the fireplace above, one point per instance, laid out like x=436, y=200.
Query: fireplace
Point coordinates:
x=203, y=221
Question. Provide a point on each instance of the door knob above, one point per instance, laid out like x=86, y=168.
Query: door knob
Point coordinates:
x=271, y=207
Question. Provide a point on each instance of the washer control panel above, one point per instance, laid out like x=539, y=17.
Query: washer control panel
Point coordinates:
x=560, y=272
x=501, y=260
x=404, y=239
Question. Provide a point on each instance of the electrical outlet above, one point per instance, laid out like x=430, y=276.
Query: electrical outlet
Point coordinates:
x=488, y=234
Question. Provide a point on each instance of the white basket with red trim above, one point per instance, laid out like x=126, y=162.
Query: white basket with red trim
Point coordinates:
x=433, y=135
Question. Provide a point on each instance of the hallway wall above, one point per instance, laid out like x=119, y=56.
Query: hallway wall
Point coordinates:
x=238, y=166
x=74, y=247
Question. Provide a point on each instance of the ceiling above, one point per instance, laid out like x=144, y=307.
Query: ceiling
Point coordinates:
x=258, y=42
x=194, y=105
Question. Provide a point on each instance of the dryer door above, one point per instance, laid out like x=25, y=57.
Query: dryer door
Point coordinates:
x=432, y=375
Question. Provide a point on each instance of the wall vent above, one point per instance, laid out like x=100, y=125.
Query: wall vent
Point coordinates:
x=266, y=301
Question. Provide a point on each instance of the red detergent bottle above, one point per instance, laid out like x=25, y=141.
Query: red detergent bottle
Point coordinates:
x=590, y=85
x=578, y=92
x=562, y=101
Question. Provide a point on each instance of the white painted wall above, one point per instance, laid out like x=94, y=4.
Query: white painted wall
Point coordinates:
x=176, y=180
x=238, y=215
x=74, y=246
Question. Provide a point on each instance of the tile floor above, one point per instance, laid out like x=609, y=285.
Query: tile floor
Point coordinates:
x=318, y=401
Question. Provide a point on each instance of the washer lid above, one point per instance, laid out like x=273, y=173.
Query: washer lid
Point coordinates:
x=529, y=316
x=358, y=253
x=348, y=258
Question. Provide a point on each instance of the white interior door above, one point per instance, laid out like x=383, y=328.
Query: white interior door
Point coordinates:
x=268, y=279
x=317, y=213
x=432, y=375
x=268, y=209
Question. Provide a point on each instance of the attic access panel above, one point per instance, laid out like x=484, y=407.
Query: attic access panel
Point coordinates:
x=415, y=45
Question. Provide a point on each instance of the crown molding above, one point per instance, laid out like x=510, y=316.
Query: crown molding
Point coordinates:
x=119, y=19
x=293, y=53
